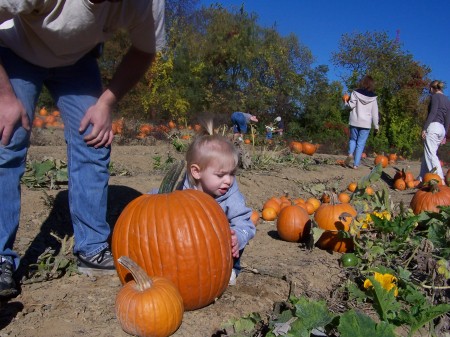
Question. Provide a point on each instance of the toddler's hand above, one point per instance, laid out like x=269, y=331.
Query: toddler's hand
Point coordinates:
x=234, y=244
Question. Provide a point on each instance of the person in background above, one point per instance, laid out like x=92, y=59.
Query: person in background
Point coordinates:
x=434, y=130
x=270, y=129
x=364, y=113
x=56, y=44
x=280, y=126
x=240, y=121
x=211, y=164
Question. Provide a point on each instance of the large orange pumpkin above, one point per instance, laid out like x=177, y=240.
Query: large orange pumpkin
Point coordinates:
x=429, y=197
x=148, y=307
x=183, y=236
x=293, y=223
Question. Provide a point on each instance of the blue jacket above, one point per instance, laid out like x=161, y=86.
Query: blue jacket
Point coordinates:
x=238, y=214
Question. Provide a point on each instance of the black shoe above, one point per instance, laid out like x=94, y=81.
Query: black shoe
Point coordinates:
x=7, y=284
x=99, y=264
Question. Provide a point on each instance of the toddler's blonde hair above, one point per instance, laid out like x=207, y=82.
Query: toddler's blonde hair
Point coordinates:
x=207, y=148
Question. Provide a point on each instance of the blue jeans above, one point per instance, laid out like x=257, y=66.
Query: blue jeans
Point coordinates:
x=239, y=122
x=358, y=138
x=74, y=89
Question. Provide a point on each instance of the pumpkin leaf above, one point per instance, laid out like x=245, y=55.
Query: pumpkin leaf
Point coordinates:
x=357, y=324
x=373, y=176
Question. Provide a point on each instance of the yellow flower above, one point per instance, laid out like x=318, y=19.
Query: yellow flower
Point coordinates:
x=387, y=281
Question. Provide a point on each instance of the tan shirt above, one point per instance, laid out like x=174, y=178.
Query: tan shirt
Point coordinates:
x=53, y=33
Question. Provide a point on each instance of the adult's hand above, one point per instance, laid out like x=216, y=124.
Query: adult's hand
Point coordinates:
x=12, y=114
x=100, y=117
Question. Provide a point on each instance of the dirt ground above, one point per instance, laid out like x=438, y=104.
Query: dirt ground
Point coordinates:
x=79, y=305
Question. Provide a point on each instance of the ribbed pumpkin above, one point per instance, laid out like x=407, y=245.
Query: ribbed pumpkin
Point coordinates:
x=332, y=217
x=293, y=223
x=329, y=215
x=148, y=307
x=429, y=197
x=183, y=236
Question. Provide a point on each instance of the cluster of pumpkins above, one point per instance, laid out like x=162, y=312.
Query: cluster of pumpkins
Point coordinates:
x=332, y=213
x=145, y=129
x=47, y=119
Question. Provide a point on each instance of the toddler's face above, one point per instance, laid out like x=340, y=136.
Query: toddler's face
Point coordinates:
x=217, y=177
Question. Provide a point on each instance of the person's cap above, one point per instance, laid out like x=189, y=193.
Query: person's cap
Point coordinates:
x=278, y=119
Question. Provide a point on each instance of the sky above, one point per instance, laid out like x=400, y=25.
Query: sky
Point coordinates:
x=423, y=26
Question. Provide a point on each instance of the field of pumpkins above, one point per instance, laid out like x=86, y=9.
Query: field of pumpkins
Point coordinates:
x=336, y=250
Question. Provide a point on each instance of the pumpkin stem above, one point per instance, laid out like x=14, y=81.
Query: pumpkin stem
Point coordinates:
x=143, y=281
x=170, y=179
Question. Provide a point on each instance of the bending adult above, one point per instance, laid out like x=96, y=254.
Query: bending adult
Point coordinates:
x=364, y=113
x=240, y=121
x=55, y=44
x=434, y=130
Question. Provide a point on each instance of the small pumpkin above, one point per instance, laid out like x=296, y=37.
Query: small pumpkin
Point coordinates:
x=148, y=307
x=400, y=184
x=429, y=197
x=432, y=176
x=274, y=204
x=296, y=147
x=352, y=186
x=293, y=224
x=392, y=157
x=346, y=97
x=308, y=148
x=255, y=217
x=333, y=240
x=381, y=158
x=247, y=141
x=335, y=215
x=269, y=214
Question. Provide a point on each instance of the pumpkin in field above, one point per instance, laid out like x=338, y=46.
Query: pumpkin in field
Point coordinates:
x=296, y=147
x=429, y=197
x=308, y=148
x=400, y=184
x=381, y=158
x=269, y=214
x=247, y=141
x=255, y=217
x=352, y=186
x=148, y=307
x=333, y=240
x=293, y=223
x=334, y=217
x=274, y=204
x=183, y=236
x=392, y=157
x=431, y=176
